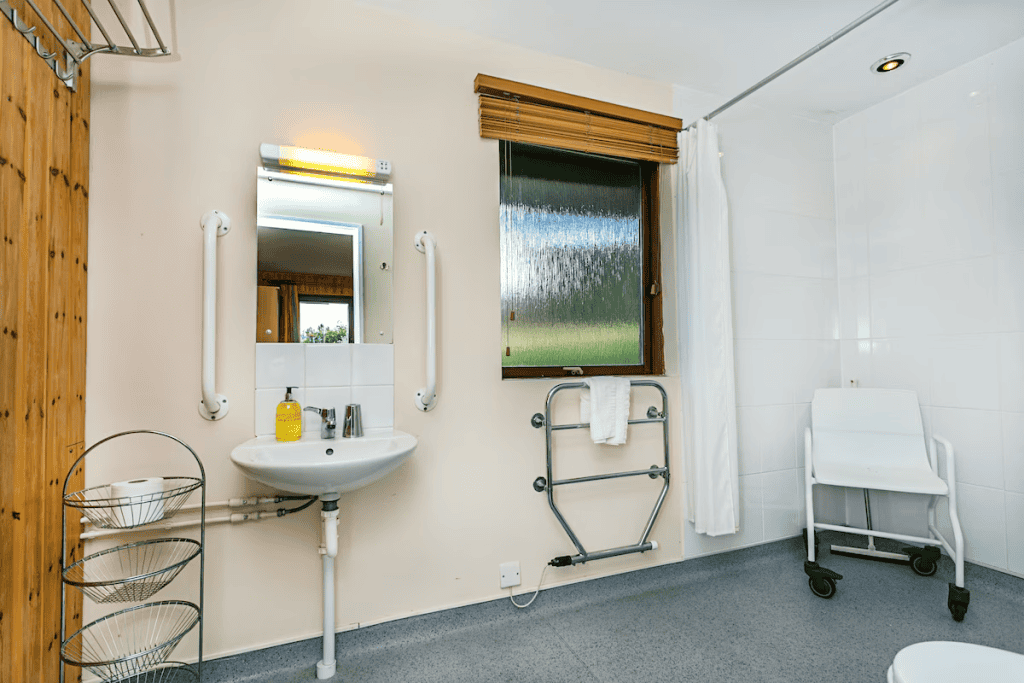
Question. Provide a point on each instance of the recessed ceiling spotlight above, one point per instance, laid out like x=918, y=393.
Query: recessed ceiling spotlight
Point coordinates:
x=891, y=62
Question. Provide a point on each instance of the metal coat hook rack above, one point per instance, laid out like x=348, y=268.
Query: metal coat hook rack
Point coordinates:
x=75, y=53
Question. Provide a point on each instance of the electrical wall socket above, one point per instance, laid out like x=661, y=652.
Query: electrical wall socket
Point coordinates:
x=383, y=167
x=509, y=574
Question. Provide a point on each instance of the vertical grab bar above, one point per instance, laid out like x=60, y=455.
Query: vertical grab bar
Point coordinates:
x=214, y=224
x=426, y=398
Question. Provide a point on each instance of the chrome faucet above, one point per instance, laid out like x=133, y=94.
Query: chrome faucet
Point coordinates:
x=329, y=424
x=353, y=426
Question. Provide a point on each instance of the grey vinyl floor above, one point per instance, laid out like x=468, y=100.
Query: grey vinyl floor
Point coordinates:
x=746, y=616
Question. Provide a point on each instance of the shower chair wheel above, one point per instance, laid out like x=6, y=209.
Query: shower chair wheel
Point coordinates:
x=924, y=561
x=823, y=587
x=821, y=580
x=923, y=567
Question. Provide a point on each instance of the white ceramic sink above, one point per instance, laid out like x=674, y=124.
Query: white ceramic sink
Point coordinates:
x=314, y=466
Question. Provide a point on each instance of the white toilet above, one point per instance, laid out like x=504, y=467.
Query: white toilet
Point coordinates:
x=945, y=662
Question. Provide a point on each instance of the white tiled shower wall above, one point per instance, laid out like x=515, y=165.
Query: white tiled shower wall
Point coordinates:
x=778, y=176
x=930, y=217
x=325, y=376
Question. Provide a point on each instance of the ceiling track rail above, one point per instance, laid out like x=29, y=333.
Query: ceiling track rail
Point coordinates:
x=72, y=53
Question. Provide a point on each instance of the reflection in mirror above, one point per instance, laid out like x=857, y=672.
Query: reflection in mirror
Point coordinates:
x=323, y=260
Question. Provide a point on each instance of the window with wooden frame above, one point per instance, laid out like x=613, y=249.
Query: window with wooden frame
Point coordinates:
x=580, y=242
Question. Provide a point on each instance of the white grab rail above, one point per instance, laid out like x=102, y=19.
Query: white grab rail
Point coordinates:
x=214, y=224
x=426, y=398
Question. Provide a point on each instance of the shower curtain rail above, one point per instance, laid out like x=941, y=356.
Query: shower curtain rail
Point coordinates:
x=810, y=53
x=549, y=483
x=75, y=53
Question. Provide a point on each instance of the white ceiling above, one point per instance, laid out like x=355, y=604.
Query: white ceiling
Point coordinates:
x=725, y=46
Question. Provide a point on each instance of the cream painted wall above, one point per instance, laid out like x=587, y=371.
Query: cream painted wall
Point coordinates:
x=173, y=140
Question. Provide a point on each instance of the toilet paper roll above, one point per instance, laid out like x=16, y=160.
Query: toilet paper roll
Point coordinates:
x=140, y=500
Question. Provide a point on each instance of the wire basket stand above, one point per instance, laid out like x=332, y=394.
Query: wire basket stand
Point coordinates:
x=132, y=645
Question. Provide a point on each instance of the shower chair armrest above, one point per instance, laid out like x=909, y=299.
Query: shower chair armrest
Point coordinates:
x=947, y=447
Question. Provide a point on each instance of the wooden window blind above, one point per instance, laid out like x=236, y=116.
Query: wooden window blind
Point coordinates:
x=525, y=113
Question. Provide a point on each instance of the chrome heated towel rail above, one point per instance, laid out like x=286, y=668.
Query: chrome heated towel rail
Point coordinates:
x=549, y=483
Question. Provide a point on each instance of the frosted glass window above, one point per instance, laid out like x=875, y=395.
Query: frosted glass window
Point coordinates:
x=572, y=262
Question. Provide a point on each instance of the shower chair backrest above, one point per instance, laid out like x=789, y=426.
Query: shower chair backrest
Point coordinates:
x=872, y=427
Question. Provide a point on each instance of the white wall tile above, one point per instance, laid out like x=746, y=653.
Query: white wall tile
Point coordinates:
x=851, y=240
x=965, y=371
x=902, y=364
x=778, y=441
x=325, y=397
x=779, y=243
x=983, y=519
x=954, y=298
x=856, y=363
x=849, y=142
x=766, y=438
x=265, y=408
x=891, y=184
x=783, y=503
x=956, y=208
x=976, y=436
x=280, y=365
x=880, y=125
x=1015, y=532
x=814, y=365
x=328, y=365
x=1008, y=210
x=751, y=515
x=763, y=373
x=373, y=364
x=378, y=405
x=855, y=308
x=780, y=307
x=1010, y=282
x=777, y=180
x=1006, y=107
x=1013, y=451
x=748, y=429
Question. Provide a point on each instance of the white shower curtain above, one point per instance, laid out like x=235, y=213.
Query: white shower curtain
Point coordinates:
x=705, y=336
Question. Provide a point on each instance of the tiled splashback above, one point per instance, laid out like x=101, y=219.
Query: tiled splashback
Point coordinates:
x=325, y=376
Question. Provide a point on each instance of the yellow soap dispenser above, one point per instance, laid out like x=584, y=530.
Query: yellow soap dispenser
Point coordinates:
x=289, y=418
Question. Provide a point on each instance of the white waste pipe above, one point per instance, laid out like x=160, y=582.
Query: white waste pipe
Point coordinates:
x=426, y=398
x=234, y=519
x=328, y=665
x=214, y=224
x=233, y=503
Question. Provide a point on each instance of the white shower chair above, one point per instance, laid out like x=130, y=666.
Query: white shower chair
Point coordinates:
x=874, y=439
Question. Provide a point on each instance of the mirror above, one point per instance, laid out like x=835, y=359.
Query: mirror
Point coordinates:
x=324, y=249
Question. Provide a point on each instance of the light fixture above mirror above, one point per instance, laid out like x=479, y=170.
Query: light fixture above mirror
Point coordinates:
x=289, y=159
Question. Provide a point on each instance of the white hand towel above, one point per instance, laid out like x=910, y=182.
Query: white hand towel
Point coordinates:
x=606, y=407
